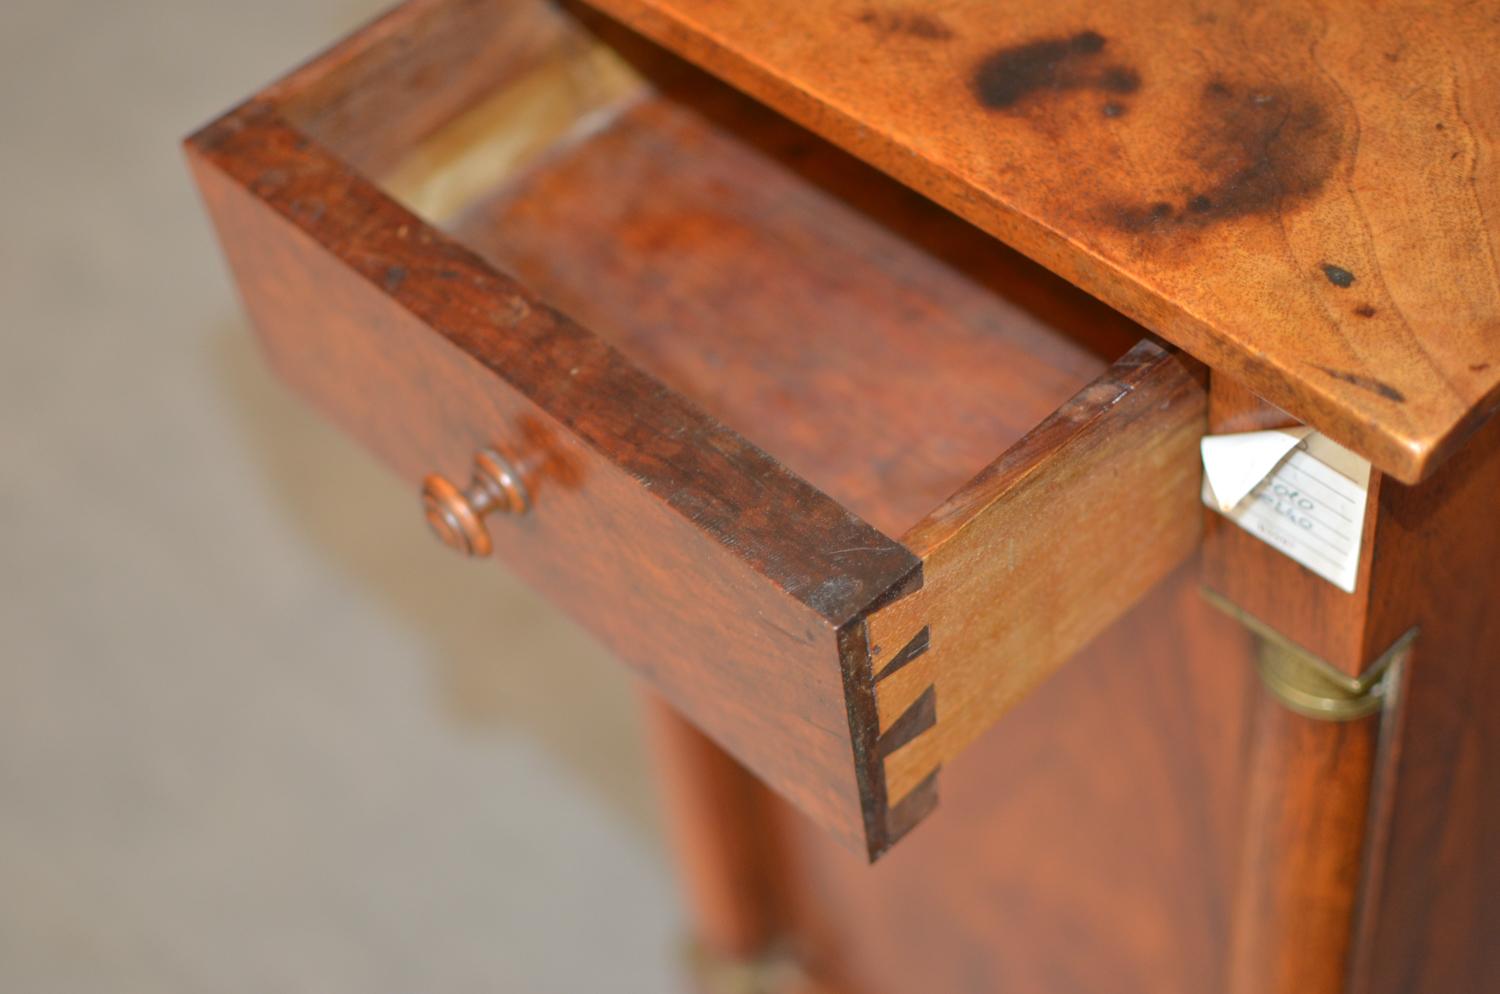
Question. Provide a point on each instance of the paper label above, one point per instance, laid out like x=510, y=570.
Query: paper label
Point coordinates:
x=1236, y=464
x=1310, y=504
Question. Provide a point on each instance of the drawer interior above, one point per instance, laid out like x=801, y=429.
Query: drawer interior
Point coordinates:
x=874, y=344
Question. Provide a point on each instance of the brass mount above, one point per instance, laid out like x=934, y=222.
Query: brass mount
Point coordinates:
x=1308, y=684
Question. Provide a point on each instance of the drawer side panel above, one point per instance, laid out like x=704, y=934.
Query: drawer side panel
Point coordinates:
x=1037, y=556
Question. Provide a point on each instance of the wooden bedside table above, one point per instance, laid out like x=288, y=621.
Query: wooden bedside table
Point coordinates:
x=847, y=480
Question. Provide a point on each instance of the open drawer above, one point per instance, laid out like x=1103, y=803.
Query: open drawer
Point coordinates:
x=840, y=475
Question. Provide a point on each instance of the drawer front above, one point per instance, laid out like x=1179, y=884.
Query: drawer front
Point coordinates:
x=842, y=666
x=720, y=577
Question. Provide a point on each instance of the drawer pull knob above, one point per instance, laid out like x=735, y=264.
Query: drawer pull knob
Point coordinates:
x=457, y=516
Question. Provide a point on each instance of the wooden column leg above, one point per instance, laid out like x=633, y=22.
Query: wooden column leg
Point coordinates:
x=1306, y=815
x=722, y=829
x=713, y=813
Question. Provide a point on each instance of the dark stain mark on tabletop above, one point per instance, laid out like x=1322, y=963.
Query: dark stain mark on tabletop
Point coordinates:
x=913, y=23
x=1252, y=150
x=1365, y=311
x=1369, y=383
x=1338, y=275
x=393, y=278
x=1011, y=78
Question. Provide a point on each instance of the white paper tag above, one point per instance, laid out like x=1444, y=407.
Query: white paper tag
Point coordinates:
x=1236, y=464
x=1309, y=502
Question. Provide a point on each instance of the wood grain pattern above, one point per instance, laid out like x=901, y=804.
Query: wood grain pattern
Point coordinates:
x=1302, y=195
x=1040, y=553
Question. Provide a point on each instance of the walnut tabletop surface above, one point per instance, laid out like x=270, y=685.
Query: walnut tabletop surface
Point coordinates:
x=1303, y=195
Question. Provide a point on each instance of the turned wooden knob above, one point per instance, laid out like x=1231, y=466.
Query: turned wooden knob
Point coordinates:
x=457, y=516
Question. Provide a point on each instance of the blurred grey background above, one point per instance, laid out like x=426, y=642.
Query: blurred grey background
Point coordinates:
x=258, y=731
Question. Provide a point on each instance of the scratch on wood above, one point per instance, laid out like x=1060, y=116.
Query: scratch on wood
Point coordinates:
x=1377, y=387
x=916, y=23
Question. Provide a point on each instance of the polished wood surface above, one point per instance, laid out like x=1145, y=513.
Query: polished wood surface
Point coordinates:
x=1302, y=195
